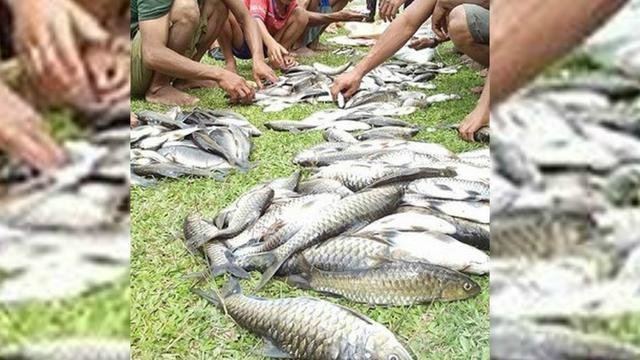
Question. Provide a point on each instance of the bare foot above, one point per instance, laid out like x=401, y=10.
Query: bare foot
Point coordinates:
x=304, y=51
x=168, y=95
x=184, y=85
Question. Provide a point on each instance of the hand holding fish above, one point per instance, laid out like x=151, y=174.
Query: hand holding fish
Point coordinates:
x=49, y=34
x=262, y=72
x=237, y=88
x=276, y=53
x=347, y=84
x=471, y=124
x=22, y=136
x=389, y=9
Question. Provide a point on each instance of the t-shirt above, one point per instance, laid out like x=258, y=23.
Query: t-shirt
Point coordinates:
x=142, y=10
x=267, y=11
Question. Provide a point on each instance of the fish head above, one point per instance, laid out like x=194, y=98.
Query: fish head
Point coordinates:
x=461, y=288
x=383, y=345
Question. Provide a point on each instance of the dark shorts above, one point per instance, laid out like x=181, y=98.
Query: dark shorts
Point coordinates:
x=244, y=52
x=478, y=22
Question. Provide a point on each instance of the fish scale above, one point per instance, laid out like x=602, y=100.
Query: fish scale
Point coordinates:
x=312, y=329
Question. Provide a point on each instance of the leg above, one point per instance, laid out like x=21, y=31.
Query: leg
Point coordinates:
x=469, y=32
x=293, y=28
x=232, y=38
x=183, y=20
x=210, y=26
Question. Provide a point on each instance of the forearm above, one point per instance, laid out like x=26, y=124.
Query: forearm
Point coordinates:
x=541, y=31
x=166, y=61
x=394, y=38
x=253, y=37
x=316, y=19
x=267, y=39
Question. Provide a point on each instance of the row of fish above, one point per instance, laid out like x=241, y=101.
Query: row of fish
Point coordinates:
x=565, y=191
x=200, y=142
x=389, y=83
x=379, y=222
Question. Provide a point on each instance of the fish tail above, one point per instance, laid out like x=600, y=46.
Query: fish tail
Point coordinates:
x=232, y=287
x=274, y=262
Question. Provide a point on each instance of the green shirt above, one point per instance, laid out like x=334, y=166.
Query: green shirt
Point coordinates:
x=142, y=10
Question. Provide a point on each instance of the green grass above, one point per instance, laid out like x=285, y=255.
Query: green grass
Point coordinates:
x=168, y=321
x=103, y=312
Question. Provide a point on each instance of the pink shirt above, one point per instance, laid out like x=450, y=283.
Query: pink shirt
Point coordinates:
x=267, y=11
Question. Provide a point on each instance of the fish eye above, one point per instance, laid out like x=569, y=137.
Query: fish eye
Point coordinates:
x=393, y=357
x=467, y=286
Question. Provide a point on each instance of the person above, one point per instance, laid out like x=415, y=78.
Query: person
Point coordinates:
x=321, y=14
x=169, y=38
x=466, y=23
x=281, y=23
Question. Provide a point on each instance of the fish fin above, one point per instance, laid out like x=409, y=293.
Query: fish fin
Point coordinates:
x=270, y=350
x=274, y=265
x=412, y=174
x=299, y=281
x=356, y=314
x=381, y=237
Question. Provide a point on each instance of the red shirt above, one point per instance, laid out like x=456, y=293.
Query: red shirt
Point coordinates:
x=267, y=11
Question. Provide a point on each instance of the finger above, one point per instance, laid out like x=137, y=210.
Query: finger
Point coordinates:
x=48, y=145
x=54, y=77
x=69, y=54
x=86, y=25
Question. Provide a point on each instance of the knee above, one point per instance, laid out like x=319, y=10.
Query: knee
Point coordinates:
x=185, y=11
x=300, y=16
x=458, y=27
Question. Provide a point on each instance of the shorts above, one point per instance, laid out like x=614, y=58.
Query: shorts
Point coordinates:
x=244, y=52
x=478, y=22
x=141, y=75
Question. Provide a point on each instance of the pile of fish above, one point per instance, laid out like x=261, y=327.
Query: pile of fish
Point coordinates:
x=565, y=214
x=389, y=83
x=380, y=222
x=66, y=231
x=200, y=142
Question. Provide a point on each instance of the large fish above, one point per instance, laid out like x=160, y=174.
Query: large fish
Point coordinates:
x=310, y=329
x=350, y=212
x=392, y=283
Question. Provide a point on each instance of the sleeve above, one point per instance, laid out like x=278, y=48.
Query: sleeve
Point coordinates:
x=153, y=9
x=258, y=9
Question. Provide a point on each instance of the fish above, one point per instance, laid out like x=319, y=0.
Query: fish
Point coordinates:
x=540, y=233
x=469, y=210
x=392, y=283
x=387, y=132
x=338, y=135
x=287, y=125
x=173, y=170
x=451, y=189
x=197, y=230
x=330, y=332
x=247, y=210
x=322, y=185
x=359, y=175
x=65, y=349
x=352, y=211
x=482, y=135
x=194, y=158
x=220, y=260
x=331, y=71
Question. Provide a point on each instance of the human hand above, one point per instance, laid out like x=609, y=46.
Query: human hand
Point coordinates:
x=349, y=15
x=389, y=9
x=277, y=53
x=346, y=84
x=262, y=72
x=236, y=87
x=472, y=123
x=49, y=34
x=423, y=43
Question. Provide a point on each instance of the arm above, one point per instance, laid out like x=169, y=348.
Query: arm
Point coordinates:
x=159, y=57
x=549, y=29
x=261, y=71
x=316, y=18
x=480, y=116
x=398, y=33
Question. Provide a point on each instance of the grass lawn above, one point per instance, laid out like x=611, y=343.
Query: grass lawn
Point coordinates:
x=103, y=312
x=168, y=321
